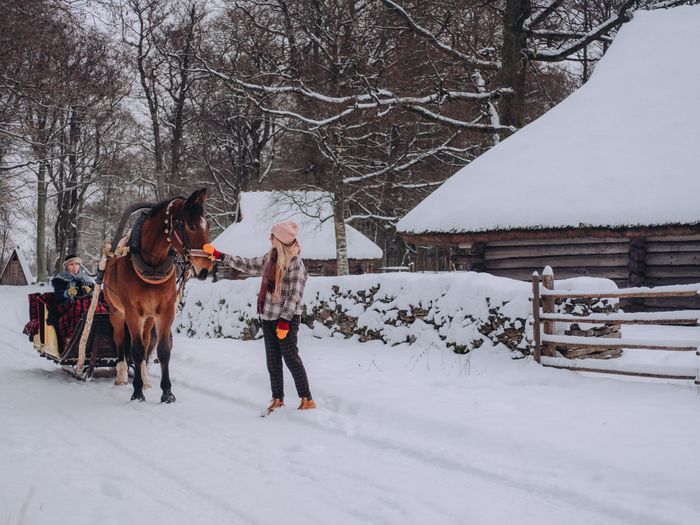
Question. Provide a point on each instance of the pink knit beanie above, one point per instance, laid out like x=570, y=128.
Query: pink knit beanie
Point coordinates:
x=285, y=231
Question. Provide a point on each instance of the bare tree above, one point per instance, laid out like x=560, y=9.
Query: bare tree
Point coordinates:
x=162, y=36
x=333, y=76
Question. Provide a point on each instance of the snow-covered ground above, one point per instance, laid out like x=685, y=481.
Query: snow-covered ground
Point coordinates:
x=402, y=435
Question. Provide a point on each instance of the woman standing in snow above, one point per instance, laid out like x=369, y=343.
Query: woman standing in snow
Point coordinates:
x=279, y=305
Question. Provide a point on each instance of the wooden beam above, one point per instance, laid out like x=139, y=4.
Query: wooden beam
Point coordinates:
x=620, y=294
x=548, y=308
x=569, y=341
x=565, y=261
x=611, y=319
x=553, y=249
x=536, y=314
x=621, y=372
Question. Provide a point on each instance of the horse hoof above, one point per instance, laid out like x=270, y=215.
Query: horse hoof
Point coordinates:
x=139, y=396
x=167, y=397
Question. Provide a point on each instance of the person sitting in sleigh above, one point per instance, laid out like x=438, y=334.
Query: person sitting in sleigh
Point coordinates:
x=73, y=288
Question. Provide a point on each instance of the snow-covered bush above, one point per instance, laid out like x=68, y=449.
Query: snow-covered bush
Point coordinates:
x=459, y=310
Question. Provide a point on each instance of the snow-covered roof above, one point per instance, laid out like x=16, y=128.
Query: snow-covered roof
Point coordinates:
x=623, y=150
x=23, y=264
x=261, y=209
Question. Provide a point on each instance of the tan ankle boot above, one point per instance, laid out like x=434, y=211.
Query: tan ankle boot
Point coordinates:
x=274, y=405
x=307, y=404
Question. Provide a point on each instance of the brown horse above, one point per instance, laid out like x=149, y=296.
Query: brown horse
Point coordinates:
x=141, y=288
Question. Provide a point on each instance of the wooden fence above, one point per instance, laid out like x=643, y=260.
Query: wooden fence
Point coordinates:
x=545, y=341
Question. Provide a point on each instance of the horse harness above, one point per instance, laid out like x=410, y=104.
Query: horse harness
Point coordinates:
x=178, y=255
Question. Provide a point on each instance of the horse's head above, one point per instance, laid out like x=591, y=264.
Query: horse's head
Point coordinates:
x=195, y=233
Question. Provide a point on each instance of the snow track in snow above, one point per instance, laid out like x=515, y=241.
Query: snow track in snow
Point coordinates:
x=509, y=442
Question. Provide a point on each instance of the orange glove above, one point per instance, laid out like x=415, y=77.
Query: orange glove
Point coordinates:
x=282, y=329
x=214, y=254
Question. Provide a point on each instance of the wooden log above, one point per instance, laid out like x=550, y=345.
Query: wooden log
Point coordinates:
x=673, y=247
x=675, y=259
x=548, y=308
x=602, y=343
x=673, y=271
x=639, y=318
x=551, y=239
x=674, y=238
x=561, y=261
x=536, y=314
x=549, y=250
x=619, y=294
x=591, y=352
x=576, y=368
x=668, y=281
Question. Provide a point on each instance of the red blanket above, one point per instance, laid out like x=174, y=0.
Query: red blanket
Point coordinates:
x=71, y=312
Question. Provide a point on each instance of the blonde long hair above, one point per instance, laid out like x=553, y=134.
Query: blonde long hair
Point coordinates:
x=285, y=254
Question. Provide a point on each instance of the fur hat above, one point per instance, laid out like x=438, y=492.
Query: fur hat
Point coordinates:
x=70, y=259
x=285, y=231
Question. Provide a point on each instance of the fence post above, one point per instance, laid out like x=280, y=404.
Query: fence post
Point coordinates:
x=548, y=308
x=697, y=373
x=536, y=314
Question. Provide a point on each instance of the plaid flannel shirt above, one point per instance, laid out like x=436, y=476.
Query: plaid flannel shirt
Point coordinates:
x=293, y=283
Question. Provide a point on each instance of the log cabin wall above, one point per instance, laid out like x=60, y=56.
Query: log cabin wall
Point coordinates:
x=630, y=260
x=585, y=256
x=672, y=260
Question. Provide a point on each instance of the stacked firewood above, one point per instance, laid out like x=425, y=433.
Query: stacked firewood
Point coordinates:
x=586, y=307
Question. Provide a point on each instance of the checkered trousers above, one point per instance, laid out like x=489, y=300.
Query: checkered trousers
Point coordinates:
x=285, y=349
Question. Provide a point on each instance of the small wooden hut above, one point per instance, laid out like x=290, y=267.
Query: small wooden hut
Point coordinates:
x=259, y=210
x=604, y=184
x=16, y=271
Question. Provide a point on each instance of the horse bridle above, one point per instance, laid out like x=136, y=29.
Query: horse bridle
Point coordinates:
x=171, y=226
x=184, y=254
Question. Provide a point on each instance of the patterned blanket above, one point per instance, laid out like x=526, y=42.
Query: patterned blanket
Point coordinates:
x=65, y=316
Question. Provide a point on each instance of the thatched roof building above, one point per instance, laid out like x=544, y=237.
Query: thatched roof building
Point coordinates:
x=605, y=184
x=250, y=237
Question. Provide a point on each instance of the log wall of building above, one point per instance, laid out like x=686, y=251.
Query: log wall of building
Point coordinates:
x=627, y=260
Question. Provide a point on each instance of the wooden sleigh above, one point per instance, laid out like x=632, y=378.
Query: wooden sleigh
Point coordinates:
x=100, y=350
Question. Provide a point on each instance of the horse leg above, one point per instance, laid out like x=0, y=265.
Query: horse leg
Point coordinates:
x=117, y=319
x=148, y=342
x=165, y=345
x=137, y=355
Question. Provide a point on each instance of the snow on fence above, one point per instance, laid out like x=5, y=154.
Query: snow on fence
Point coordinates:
x=546, y=342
